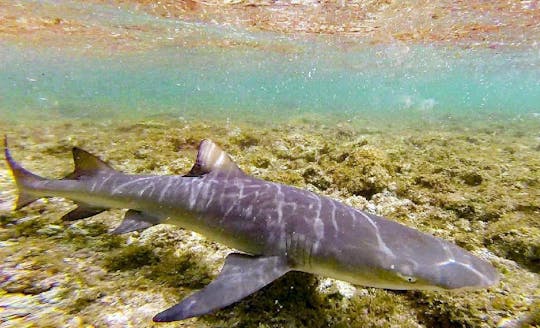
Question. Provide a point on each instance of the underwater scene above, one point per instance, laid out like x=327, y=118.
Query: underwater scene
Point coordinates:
x=426, y=113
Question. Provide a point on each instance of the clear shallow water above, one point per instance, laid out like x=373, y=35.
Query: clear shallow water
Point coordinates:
x=192, y=69
x=265, y=73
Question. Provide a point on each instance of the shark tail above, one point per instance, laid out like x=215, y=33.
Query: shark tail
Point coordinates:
x=24, y=179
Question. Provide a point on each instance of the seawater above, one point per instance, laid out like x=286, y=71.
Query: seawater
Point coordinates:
x=266, y=74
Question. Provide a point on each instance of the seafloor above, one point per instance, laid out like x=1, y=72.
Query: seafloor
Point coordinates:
x=476, y=184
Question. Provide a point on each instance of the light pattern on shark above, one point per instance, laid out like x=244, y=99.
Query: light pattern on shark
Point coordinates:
x=278, y=228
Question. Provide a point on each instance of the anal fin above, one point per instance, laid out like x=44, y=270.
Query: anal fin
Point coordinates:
x=241, y=276
x=134, y=221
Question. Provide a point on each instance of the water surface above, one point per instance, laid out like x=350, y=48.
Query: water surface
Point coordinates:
x=195, y=68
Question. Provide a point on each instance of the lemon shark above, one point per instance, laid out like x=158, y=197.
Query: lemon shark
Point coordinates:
x=277, y=228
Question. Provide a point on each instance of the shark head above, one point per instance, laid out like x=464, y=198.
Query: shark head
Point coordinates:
x=385, y=254
x=422, y=262
x=458, y=271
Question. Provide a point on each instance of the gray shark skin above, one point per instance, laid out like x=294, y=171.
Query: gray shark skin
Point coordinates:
x=278, y=228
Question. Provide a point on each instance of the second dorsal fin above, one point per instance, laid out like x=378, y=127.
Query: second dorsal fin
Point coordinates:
x=211, y=158
x=87, y=164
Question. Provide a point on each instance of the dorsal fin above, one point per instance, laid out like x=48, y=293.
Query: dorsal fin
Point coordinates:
x=87, y=164
x=211, y=158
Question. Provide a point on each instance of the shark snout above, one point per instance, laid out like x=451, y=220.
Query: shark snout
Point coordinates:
x=466, y=275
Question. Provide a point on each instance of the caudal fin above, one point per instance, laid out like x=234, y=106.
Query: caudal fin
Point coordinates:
x=24, y=179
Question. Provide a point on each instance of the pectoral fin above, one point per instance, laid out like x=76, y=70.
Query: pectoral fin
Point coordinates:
x=241, y=276
x=135, y=220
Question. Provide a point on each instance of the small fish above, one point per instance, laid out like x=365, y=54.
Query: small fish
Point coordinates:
x=277, y=228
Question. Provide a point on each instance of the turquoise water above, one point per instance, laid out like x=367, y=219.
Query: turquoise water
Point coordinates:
x=267, y=73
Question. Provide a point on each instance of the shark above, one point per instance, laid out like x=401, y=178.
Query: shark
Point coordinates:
x=274, y=228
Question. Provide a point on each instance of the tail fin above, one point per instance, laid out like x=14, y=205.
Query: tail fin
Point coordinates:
x=23, y=178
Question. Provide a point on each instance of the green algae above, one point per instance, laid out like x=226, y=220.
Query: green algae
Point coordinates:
x=245, y=140
x=293, y=297
x=317, y=178
x=180, y=270
x=533, y=320
x=130, y=257
x=475, y=188
x=516, y=236
x=295, y=301
x=443, y=312
x=82, y=300
x=28, y=228
x=377, y=308
x=355, y=168
x=91, y=234
x=33, y=221
x=173, y=270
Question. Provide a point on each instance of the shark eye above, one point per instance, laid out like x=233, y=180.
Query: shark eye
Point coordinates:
x=411, y=279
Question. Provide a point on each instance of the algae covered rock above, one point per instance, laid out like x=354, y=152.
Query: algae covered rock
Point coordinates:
x=317, y=178
x=471, y=191
x=516, y=236
x=130, y=257
x=362, y=171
